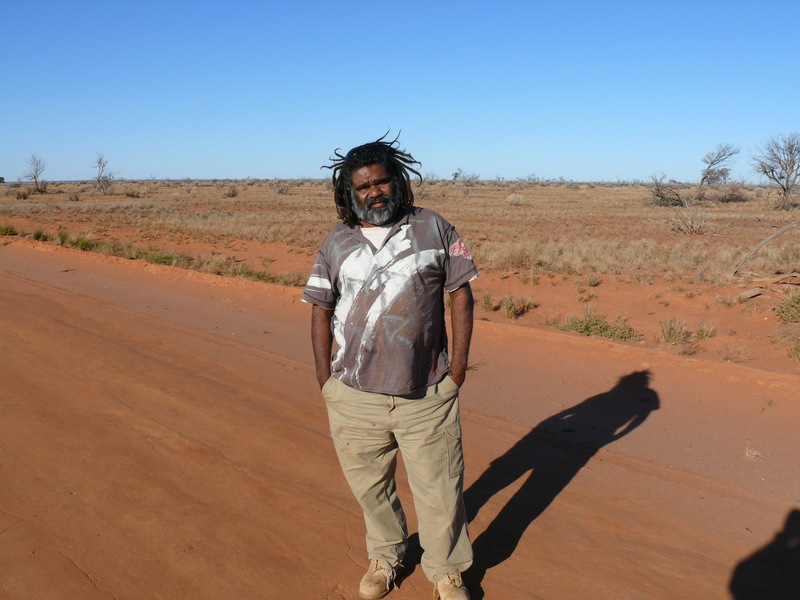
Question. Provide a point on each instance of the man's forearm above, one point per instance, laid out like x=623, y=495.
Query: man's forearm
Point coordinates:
x=321, y=342
x=461, y=308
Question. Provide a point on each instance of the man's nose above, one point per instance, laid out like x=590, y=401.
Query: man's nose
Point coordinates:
x=374, y=191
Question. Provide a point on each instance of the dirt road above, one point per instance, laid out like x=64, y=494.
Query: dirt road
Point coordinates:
x=162, y=436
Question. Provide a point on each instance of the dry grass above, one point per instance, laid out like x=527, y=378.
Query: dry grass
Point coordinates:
x=789, y=335
x=675, y=332
x=705, y=331
x=733, y=353
x=529, y=228
x=513, y=307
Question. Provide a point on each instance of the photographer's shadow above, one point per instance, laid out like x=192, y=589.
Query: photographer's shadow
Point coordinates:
x=551, y=454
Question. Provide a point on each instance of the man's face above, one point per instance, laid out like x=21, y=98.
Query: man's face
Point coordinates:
x=374, y=196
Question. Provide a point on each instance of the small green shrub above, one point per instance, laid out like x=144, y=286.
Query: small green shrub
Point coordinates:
x=7, y=230
x=161, y=258
x=237, y=270
x=85, y=243
x=789, y=310
x=592, y=324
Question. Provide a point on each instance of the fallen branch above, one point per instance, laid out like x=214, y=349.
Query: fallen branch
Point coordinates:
x=788, y=279
x=751, y=293
x=760, y=244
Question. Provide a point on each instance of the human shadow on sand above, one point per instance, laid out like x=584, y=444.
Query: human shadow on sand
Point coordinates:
x=551, y=454
x=773, y=572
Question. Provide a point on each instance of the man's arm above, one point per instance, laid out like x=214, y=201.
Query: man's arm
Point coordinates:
x=461, y=307
x=321, y=341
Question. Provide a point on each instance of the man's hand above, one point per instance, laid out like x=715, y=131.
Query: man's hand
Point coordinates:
x=459, y=377
x=322, y=342
x=461, y=308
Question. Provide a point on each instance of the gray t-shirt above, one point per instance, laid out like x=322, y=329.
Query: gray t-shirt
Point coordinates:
x=388, y=302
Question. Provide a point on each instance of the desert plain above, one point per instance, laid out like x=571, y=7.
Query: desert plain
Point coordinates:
x=163, y=435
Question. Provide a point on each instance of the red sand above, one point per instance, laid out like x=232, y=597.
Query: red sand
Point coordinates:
x=162, y=436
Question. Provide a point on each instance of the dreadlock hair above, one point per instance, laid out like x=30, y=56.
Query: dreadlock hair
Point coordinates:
x=398, y=165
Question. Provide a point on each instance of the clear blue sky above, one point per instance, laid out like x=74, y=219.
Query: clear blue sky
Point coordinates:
x=580, y=90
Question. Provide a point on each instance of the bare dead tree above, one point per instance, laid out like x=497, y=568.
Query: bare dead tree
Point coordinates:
x=779, y=161
x=717, y=170
x=104, y=177
x=34, y=173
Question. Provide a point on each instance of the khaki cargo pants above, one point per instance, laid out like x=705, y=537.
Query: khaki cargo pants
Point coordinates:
x=367, y=430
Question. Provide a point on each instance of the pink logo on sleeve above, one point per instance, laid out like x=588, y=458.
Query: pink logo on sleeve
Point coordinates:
x=460, y=249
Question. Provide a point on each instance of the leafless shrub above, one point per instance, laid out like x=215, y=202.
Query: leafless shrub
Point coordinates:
x=467, y=180
x=779, y=161
x=104, y=177
x=34, y=173
x=690, y=219
x=280, y=186
x=731, y=193
x=663, y=194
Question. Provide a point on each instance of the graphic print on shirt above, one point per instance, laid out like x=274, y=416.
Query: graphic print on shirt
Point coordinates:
x=375, y=307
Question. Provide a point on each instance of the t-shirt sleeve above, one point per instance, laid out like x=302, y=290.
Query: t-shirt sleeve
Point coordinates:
x=319, y=289
x=460, y=268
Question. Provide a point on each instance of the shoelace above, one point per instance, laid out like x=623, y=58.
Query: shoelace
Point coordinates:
x=453, y=581
x=376, y=566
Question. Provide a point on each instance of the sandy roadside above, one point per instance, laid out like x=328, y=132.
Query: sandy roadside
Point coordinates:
x=163, y=437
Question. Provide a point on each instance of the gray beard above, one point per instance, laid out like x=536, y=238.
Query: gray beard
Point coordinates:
x=380, y=216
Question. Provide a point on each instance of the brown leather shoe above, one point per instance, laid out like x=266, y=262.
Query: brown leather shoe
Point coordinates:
x=377, y=581
x=450, y=587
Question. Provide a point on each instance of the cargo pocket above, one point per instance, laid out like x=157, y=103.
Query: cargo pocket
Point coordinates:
x=455, y=454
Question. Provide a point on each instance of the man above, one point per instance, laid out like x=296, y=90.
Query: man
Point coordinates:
x=377, y=288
